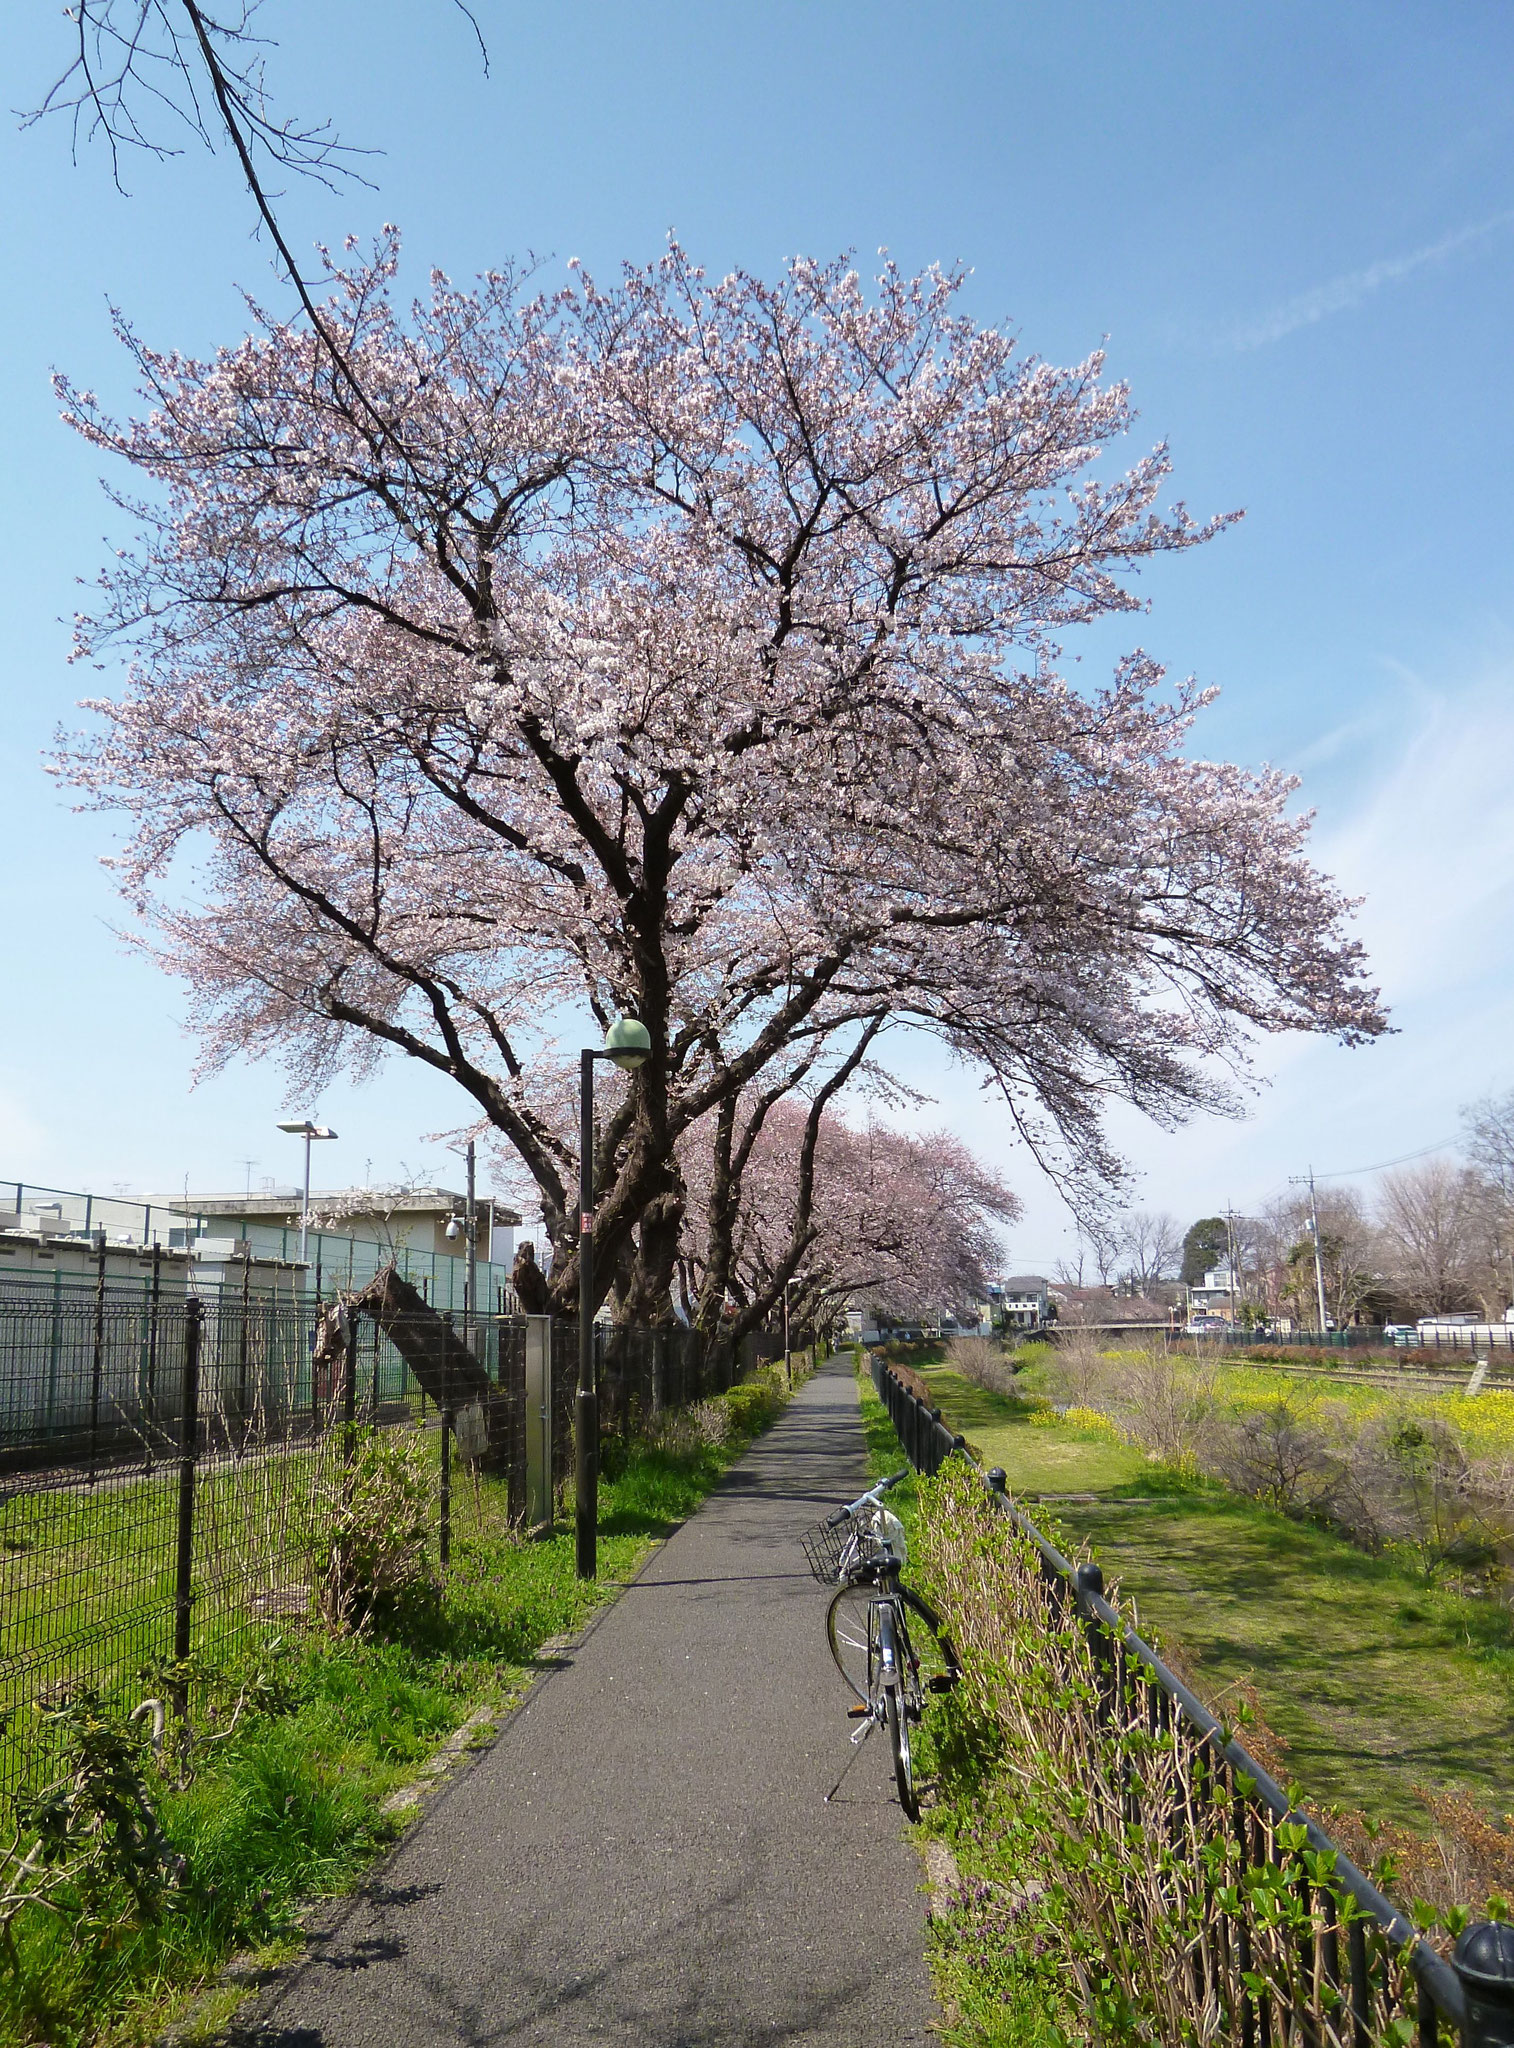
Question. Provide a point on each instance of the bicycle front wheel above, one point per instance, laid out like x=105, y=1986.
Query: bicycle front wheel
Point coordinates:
x=851, y=1629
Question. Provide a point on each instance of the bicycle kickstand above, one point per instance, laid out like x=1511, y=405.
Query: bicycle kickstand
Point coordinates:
x=857, y=1741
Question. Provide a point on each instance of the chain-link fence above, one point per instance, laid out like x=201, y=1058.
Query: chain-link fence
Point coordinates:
x=172, y=1470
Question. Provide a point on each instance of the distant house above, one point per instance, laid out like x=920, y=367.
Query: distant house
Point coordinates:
x=1024, y=1301
x=1215, y=1296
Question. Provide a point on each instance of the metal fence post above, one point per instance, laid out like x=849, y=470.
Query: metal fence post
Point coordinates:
x=153, y=1334
x=1484, y=1961
x=189, y=1450
x=349, y=1333
x=538, y=1422
x=97, y=1367
x=444, y=1543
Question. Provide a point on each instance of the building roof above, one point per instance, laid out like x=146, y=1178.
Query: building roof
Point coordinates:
x=1025, y=1283
x=1112, y=1307
x=342, y=1202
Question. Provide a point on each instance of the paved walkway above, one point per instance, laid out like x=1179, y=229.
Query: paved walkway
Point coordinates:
x=645, y=1854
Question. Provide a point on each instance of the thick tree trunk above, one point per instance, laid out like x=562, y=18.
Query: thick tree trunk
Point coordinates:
x=720, y=1223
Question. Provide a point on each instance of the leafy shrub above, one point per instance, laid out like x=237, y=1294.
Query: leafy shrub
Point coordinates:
x=374, y=1564
x=756, y=1402
x=1091, y=1851
x=88, y=1848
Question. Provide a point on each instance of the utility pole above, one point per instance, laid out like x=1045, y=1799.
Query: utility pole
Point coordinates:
x=470, y=1295
x=1230, y=1257
x=1301, y=1180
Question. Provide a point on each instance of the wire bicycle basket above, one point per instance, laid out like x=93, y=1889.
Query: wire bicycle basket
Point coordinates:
x=825, y=1547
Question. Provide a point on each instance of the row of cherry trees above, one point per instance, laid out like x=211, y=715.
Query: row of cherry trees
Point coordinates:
x=907, y=1222
x=685, y=648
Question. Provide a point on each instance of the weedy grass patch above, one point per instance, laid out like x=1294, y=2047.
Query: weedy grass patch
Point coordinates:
x=1032, y=1941
x=1379, y=1684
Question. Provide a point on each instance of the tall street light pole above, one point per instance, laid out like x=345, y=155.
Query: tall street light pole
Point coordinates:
x=302, y=1127
x=628, y=1043
x=468, y=1228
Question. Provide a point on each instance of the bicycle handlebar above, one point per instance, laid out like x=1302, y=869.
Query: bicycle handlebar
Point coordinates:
x=872, y=1497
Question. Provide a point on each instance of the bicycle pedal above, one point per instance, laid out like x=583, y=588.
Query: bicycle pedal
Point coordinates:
x=943, y=1682
x=858, y=1713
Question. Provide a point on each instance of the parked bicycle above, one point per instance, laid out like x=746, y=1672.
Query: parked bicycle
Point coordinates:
x=889, y=1646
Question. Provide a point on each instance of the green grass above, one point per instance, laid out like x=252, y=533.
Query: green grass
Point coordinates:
x=291, y=1808
x=1376, y=1682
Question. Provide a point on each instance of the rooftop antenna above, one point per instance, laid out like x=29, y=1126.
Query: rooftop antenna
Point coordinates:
x=249, y=1164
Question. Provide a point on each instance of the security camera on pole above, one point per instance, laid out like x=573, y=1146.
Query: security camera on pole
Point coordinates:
x=629, y=1044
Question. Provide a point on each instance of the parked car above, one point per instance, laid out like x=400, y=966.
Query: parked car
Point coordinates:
x=1401, y=1333
x=1207, y=1325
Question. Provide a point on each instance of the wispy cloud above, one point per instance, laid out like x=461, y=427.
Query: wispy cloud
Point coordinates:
x=1424, y=830
x=1340, y=294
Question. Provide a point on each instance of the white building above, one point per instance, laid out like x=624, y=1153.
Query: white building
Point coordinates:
x=1215, y=1297
x=412, y=1220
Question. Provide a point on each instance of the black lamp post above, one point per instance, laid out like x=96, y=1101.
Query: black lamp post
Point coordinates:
x=628, y=1043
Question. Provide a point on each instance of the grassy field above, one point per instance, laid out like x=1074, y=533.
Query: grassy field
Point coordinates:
x=293, y=1806
x=1375, y=1682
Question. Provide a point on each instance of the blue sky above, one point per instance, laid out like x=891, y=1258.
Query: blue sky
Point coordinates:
x=1295, y=226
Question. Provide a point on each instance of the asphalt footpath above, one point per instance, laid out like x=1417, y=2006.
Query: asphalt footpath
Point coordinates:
x=646, y=1854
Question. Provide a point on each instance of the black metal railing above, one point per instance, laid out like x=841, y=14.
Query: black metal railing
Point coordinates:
x=1472, y=1994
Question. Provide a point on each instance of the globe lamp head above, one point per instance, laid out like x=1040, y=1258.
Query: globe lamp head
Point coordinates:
x=628, y=1042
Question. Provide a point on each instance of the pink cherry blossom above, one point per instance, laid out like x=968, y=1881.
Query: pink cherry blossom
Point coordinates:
x=687, y=648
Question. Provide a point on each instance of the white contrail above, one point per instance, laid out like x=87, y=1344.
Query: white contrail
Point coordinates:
x=1341, y=293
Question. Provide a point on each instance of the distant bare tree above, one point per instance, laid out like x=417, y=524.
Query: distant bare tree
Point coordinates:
x=1489, y=1126
x=1071, y=1269
x=1103, y=1251
x=1429, y=1218
x=1097, y=1257
x=1152, y=1244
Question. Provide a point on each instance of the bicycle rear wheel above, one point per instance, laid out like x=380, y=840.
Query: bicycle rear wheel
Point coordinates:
x=899, y=1743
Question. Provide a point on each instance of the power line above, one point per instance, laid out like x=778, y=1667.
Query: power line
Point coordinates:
x=1350, y=1172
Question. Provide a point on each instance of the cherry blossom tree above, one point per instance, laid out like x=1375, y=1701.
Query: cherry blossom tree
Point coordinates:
x=687, y=648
